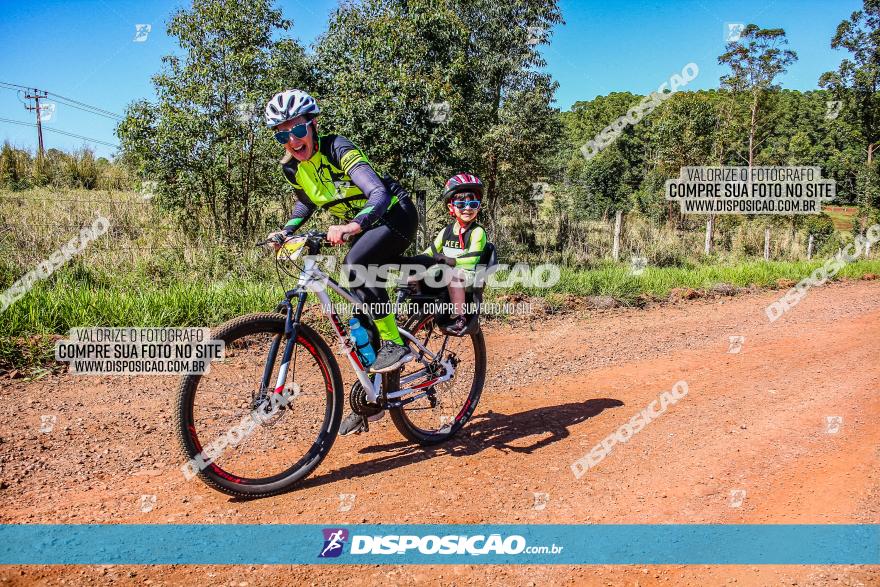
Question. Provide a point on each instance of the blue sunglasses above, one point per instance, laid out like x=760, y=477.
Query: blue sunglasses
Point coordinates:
x=299, y=131
x=462, y=204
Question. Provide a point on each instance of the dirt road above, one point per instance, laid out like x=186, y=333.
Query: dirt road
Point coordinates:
x=783, y=431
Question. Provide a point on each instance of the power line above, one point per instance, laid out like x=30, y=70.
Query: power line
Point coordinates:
x=17, y=122
x=67, y=101
x=97, y=109
x=36, y=95
x=62, y=132
x=15, y=86
x=84, y=106
x=76, y=136
x=110, y=116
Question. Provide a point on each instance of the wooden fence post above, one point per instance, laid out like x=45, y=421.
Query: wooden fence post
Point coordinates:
x=710, y=229
x=422, y=207
x=766, y=244
x=810, y=248
x=618, y=222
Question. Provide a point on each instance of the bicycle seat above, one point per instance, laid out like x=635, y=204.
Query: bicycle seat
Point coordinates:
x=488, y=259
x=419, y=293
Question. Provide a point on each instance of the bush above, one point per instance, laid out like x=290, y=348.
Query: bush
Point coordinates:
x=661, y=244
x=20, y=170
x=748, y=239
x=15, y=168
x=822, y=229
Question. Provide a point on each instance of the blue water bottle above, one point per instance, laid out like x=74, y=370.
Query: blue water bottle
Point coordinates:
x=362, y=341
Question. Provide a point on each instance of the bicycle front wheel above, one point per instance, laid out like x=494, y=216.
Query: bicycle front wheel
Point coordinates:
x=235, y=434
x=445, y=407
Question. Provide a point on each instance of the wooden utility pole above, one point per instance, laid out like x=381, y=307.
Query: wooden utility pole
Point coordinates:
x=36, y=96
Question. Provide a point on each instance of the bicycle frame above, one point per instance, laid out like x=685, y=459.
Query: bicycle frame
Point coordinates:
x=313, y=279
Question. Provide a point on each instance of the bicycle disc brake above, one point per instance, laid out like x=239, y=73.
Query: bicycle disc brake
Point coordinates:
x=357, y=399
x=267, y=411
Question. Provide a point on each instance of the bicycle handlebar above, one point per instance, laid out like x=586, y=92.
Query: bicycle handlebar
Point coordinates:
x=280, y=239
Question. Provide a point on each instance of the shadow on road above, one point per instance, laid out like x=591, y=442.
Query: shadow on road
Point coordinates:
x=502, y=432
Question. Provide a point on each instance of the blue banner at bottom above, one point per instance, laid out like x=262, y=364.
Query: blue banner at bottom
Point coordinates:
x=441, y=544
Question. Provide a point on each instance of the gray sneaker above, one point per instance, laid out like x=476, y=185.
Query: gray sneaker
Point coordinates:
x=354, y=423
x=391, y=356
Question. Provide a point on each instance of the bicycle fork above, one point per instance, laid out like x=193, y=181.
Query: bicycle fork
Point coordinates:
x=291, y=325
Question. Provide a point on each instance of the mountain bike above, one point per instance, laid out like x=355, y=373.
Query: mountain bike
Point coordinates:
x=260, y=420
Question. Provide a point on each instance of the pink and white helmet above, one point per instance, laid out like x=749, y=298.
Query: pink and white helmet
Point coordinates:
x=463, y=182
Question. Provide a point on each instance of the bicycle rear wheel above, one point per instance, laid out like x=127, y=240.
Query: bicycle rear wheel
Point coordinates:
x=233, y=435
x=446, y=407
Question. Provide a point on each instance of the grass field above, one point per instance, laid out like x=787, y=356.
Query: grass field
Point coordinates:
x=144, y=272
x=843, y=216
x=55, y=306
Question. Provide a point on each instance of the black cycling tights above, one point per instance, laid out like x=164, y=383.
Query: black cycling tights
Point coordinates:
x=385, y=242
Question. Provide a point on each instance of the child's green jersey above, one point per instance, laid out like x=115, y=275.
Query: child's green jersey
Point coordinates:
x=465, y=247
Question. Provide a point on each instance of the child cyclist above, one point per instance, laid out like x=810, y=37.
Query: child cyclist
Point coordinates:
x=460, y=244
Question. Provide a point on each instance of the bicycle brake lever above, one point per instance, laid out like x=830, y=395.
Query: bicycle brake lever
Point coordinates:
x=278, y=239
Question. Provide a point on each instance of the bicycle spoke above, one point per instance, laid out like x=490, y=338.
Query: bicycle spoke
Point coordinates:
x=231, y=406
x=435, y=413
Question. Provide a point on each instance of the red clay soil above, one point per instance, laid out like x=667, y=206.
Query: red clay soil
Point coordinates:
x=754, y=421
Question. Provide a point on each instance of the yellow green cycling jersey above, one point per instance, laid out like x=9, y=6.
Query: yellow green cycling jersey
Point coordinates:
x=465, y=246
x=340, y=179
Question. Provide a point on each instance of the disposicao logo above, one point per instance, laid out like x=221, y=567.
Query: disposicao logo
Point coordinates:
x=334, y=540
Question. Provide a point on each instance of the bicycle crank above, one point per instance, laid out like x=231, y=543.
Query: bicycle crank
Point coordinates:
x=357, y=399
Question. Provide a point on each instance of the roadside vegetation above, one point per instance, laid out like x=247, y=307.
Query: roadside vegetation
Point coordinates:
x=196, y=179
x=147, y=272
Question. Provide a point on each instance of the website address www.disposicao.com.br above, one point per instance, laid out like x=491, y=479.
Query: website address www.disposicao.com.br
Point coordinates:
x=335, y=540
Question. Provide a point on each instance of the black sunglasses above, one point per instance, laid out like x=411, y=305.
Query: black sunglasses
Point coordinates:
x=299, y=131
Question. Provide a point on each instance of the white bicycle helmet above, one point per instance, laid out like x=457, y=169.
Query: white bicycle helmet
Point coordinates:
x=289, y=104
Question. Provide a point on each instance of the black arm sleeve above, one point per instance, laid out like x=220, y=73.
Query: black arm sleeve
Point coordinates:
x=378, y=198
x=301, y=214
x=345, y=155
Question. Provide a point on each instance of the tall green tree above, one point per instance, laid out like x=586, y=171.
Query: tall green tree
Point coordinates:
x=203, y=140
x=434, y=87
x=756, y=59
x=856, y=83
x=605, y=183
x=387, y=81
x=503, y=56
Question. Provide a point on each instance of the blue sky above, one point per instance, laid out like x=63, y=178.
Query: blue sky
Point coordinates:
x=85, y=50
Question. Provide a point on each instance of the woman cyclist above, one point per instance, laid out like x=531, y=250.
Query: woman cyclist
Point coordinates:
x=377, y=216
